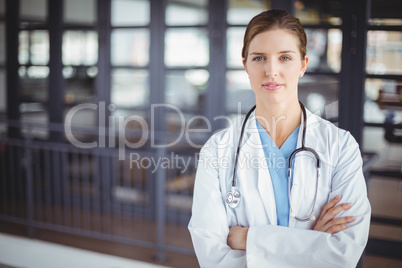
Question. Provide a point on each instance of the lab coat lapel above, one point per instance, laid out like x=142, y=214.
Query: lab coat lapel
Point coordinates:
x=253, y=148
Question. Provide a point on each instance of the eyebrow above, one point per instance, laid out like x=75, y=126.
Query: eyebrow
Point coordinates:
x=280, y=52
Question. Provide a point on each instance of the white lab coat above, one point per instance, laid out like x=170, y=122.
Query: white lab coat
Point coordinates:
x=270, y=245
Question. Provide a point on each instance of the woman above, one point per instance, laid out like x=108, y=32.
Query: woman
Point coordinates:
x=264, y=227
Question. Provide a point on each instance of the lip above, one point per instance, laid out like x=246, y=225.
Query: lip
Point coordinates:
x=272, y=86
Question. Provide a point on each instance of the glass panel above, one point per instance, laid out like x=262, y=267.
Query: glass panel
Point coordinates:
x=39, y=47
x=80, y=11
x=386, y=12
x=130, y=12
x=80, y=84
x=3, y=96
x=234, y=46
x=139, y=122
x=23, y=49
x=319, y=93
x=186, y=88
x=186, y=47
x=376, y=140
x=239, y=96
x=130, y=88
x=33, y=10
x=35, y=113
x=2, y=43
x=242, y=11
x=33, y=47
x=384, y=53
x=33, y=83
x=82, y=118
x=185, y=12
x=319, y=12
x=80, y=48
x=383, y=101
x=130, y=47
x=324, y=49
x=188, y=131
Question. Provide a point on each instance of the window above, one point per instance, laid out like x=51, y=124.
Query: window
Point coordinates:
x=33, y=57
x=79, y=58
x=130, y=12
x=182, y=12
x=130, y=45
x=383, y=87
x=186, y=59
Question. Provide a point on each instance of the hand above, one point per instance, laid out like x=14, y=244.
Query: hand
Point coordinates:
x=237, y=237
x=327, y=222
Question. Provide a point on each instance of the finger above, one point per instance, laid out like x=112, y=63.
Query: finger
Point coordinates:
x=330, y=204
x=343, y=220
x=322, y=224
x=337, y=228
x=338, y=222
x=332, y=212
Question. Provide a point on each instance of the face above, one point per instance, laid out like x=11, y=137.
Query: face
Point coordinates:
x=274, y=66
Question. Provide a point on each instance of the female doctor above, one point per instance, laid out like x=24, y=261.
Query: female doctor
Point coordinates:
x=252, y=206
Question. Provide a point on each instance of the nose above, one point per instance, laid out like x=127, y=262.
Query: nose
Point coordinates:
x=271, y=68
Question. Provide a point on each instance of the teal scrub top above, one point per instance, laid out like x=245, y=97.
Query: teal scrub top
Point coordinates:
x=277, y=162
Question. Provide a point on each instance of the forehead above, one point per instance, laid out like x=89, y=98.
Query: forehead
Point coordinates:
x=274, y=41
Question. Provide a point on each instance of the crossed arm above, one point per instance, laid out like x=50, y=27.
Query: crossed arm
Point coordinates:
x=237, y=237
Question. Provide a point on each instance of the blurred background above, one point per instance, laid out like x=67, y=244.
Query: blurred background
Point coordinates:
x=124, y=56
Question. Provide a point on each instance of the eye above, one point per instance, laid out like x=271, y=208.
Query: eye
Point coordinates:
x=258, y=58
x=285, y=58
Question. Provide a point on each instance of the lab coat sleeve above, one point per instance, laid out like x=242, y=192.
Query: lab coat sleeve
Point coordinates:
x=209, y=225
x=276, y=246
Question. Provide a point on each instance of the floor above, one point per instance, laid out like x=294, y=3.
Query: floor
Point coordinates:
x=385, y=196
x=33, y=253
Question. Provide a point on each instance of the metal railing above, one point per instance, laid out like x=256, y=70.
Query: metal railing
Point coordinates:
x=93, y=192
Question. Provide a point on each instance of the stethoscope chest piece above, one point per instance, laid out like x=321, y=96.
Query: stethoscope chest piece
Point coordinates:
x=233, y=198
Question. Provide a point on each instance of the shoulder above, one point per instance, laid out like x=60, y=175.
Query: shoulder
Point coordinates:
x=328, y=131
x=224, y=139
x=330, y=141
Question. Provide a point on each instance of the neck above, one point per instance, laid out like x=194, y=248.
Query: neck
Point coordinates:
x=279, y=119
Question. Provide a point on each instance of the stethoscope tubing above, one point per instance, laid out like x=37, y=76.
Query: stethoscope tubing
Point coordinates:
x=235, y=193
x=239, y=145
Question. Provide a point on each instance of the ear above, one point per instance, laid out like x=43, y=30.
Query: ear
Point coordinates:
x=244, y=64
x=304, y=64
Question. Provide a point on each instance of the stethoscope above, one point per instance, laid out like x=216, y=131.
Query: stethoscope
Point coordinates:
x=233, y=197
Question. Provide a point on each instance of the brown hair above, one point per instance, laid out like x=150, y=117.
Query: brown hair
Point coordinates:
x=272, y=20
